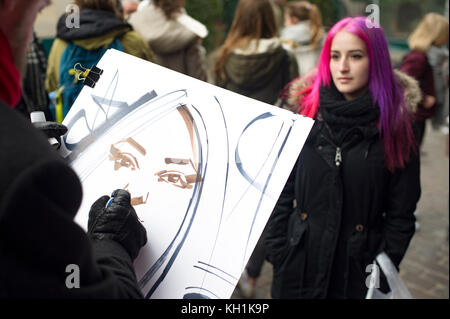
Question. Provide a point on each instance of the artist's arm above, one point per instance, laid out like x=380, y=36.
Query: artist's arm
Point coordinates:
x=39, y=198
x=43, y=240
x=117, y=236
x=116, y=268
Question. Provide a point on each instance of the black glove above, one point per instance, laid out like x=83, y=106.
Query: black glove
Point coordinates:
x=51, y=129
x=117, y=222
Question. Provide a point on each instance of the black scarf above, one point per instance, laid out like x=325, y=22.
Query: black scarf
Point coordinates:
x=342, y=115
x=336, y=110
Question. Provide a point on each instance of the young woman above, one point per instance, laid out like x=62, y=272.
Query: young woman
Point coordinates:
x=174, y=36
x=252, y=61
x=356, y=182
x=431, y=33
x=303, y=33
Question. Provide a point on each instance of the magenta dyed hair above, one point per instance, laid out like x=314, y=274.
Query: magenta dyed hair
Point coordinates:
x=394, y=123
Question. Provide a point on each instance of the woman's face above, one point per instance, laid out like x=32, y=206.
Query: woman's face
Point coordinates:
x=289, y=20
x=349, y=65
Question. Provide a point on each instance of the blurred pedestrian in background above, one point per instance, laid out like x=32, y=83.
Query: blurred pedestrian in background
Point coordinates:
x=129, y=7
x=303, y=33
x=356, y=182
x=252, y=61
x=438, y=58
x=277, y=6
x=34, y=95
x=174, y=36
x=102, y=27
x=427, y=39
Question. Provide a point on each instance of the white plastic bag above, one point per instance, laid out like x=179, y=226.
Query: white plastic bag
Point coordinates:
x=398, y=288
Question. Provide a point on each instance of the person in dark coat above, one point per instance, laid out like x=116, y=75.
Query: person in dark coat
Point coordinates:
x=43, y=252
x=252, y=61
x=356, y=181
x=34, y=95
x=431, y=31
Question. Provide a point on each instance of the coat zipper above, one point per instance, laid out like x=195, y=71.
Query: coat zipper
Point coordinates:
x=338, y=157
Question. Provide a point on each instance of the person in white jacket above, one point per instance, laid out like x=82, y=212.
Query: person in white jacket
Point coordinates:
x=174, y=36
x=303, y=33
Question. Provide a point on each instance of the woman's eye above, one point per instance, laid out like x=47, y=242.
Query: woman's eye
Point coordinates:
x=334, y=56
x=356, y=56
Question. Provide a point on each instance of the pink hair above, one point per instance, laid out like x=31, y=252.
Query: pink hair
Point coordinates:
x=394, y=123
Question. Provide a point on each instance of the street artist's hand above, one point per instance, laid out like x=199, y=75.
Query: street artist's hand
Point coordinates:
x=51, y=129
x=115, y=219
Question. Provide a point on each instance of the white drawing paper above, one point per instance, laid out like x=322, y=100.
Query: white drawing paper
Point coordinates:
x=204, y=167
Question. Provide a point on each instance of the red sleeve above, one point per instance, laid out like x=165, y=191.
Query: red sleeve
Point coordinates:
x=414, y=64
x=10, y=86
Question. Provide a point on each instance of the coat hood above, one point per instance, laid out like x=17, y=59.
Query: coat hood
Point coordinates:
x=101, y=25
x=163, y=35
x=256, y=64
x=412, y=92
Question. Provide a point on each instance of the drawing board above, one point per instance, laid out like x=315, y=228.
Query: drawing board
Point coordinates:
x=204, y=167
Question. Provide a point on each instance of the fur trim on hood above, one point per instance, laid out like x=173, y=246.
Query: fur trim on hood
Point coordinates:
x=412, y=92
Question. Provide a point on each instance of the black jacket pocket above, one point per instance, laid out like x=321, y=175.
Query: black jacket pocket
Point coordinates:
x=297, y=227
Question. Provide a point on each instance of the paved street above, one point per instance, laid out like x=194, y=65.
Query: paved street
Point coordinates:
x=425, y=268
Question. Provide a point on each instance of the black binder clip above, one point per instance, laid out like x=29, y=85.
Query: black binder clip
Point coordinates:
x=93, y=76
x=89, y=76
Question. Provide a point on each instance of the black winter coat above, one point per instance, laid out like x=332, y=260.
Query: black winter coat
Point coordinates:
x=349, y=208
x=260, y=76
x=39, y=197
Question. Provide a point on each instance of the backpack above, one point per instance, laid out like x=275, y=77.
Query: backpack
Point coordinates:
x=69, y=83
